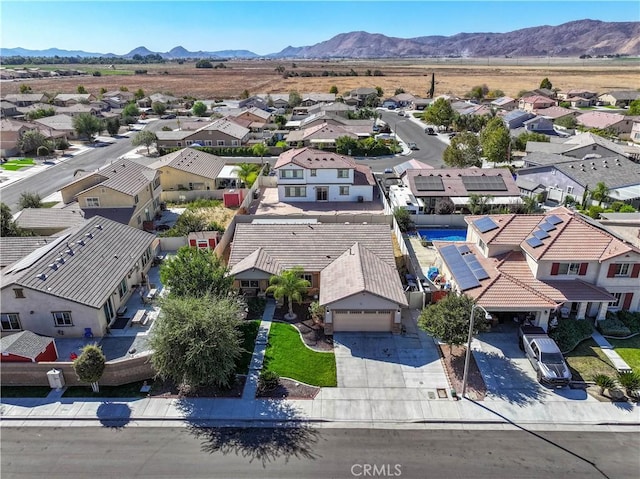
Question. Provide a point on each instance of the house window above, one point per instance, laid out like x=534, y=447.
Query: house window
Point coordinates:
x=343, y=173
x=569, y=189
x=308, y=277
x=188, y=142
x=313, y=172
x=92, y=202
x=295, y=191
x=136, y=199
x=569, y=268
x=10, y=321
x=220, y=142
x=208, y=143
x=344, y=190
x=19, y=293
x=235, y=143
x=62, y=318
x=139, y=219
x=108, y=309
x=291, y=174
x=156, y=183
x=122, y=288
x=621, y=269
x=178, y=143
x=246, y=283
x=616, y=302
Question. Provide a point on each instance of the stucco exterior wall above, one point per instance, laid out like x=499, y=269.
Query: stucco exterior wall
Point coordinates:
x=363, y=301
x=172, y=179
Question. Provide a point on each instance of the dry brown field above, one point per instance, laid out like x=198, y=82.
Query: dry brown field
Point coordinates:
x=260, y=76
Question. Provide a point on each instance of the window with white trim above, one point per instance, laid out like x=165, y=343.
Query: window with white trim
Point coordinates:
x=343, y=173
x=344, y=191
x=122, y=287
x=220, y=142
x=291, y=174
x=622, y=269
x=616, y=303
x=10, y=321
x=92, y=202
x=19, y=293
x=249, y=283
x=569, y=190
x=295, y=191
x=62, y=318
x=188, y=142
x=208, y=143
x=569, y=268
x=136, y=199
x=235, y=142
x=313, y=172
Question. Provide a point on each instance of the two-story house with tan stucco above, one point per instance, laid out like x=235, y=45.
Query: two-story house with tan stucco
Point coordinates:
x=74, y=284
x=306, y=174
x=548, y=265
x=123, y=191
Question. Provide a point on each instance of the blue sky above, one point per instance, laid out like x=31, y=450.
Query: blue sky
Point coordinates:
x=269, y=26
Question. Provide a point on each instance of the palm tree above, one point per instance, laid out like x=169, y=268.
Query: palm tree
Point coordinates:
x=260, y=150
x=247, y=173
x=291, y=285
x=600, y=192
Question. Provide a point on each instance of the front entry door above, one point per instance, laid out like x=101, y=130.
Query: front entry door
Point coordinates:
x=321, y=193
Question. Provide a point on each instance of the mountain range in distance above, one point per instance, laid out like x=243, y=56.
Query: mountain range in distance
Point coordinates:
x=581, y=37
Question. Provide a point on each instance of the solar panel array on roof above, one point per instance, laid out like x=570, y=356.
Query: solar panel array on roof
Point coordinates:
x=464, y=249
x=540, y=234
x=554, y=220
x=485, y=224
x=475, y=266
x=484, y=183
x=534, y=242
x=459, y=268
x=544, y=226
x=428, y=183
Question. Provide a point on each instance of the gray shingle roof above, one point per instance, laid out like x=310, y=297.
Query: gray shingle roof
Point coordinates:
x=14, y=248
x=92, y=272
x=25, y=344
x=124, y=176
x=227, y=127
x=60, y=218
x=311, y=246
x=192, y=161
x=358, y=270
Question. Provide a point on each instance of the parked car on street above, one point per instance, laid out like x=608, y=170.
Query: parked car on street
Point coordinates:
x=170, y=116
x=412, y=146
x=430, y=131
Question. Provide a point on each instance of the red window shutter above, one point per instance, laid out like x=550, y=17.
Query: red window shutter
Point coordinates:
x=583, y=269
x=627, y=301
x=612, y=271
x=554, y=269
x=192, y=242
x=635, y=272
x=212, y=243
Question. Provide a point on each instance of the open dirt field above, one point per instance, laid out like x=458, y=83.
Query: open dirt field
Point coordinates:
x=259, y=76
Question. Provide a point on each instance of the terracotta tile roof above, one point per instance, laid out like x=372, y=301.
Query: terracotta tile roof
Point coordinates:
x=599, y=119
x=358, y=270
x=314, y=159
x=363, y=176
x=260, y=260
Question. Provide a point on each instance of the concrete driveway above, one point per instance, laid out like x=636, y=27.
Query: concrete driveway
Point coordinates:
x=384, y=360
x=508, y=374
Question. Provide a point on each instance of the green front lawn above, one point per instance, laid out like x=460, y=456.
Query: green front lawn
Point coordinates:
x=629, y=350
x=587, y=360
x=287, y=356
x=24, y=391
x=249, y=332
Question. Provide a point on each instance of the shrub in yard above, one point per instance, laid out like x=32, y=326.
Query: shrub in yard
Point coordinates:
x=604, y=382
x=256, y=307
x=613, y=327
x=42, y=151
x=268, y=381
x=630, y=319
x=570, y=332
x=630, y=381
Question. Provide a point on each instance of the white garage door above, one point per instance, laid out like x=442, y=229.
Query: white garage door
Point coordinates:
x=358, y=320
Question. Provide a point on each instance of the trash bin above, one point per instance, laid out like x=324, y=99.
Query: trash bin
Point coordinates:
x=56, y=379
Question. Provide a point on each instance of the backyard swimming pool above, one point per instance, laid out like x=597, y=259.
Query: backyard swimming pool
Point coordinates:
x=443, y=234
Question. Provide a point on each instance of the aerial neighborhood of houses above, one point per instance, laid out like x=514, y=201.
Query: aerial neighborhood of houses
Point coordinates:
x=547, y=235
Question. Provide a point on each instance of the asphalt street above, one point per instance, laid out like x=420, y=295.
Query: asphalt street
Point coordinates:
x=305, y=452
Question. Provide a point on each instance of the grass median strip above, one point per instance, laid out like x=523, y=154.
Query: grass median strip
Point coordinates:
x=287, y=356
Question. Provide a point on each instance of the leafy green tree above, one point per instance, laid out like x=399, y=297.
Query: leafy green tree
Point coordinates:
x=445, y=206
x=546, y=83
x=139, y=94
x=30, y=200
x=113, y=126
x=244, y=95
x=345, y=145
x=158, y=107
x=379, y=92
x=260, y=149
x=81, y=90
x=371, y=101
x=530, y=205
x=432, y=87
x=291, y=285
x=7, y=225
x=448, y=319
x=204, y=64
x=188, y=222
x=195, y=272
x=31, y=140
x=131, y=110
x=199, y=109
x=600, y=193
x=87, y=125
x=399, y=91
x=440, y=113
x=567, y=122
x=463, y=152
x=478, y=92
x=247, y=173
x=520, y=143
x=294, y=99
x=333, y=89
x=39, y=113
x=90, y=365
x=280, y=120
x=24, y=88
x=403, y=218
x=479, y=204
x=196, y=341
x=634, y=108
x=495, y=141
x=146, y=138
x=495, y=94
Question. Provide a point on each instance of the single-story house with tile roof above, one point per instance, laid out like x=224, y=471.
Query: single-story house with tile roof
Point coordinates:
x=25, y=99
x=505, y=103
x=351, y=268
x=49, y=221
x=7, y=109
x=310, y=99
x=537, y=264
x=321, y=136
x=60, y=124
x=535, y=102
x=457, y=184
x=336, y=109
x=76, y=282
x=220, y=133
x=602, y=120
x=619, y=98
x=27, y=347
x=191, y=169
x=307, y=174
x=68, y=99
x=576, y=92
x=556, y=112
x=578, y=146
x=254, y=114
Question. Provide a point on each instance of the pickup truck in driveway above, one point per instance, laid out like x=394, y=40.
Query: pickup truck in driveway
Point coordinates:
x=545, y=356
